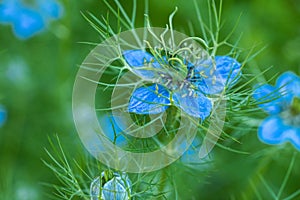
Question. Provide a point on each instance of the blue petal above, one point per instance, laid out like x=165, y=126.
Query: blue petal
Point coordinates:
x=271, y=130
x=191, y=157
x=8, y=11
x=193, y=103
x=274, y=131
x=139, y=61
x=50, y=8
x=269, y=94
x=3, y=116
x=293, y=136
x=112, y=127
x=152, y=99
x=227, y=73
x=229, y=68
x=95, y=189
x=192, y=154
x=124, y=181
x=114, y=190
x=289, y=85
x=28, y=23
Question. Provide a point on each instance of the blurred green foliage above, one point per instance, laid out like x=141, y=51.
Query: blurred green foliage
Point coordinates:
x=36, y=79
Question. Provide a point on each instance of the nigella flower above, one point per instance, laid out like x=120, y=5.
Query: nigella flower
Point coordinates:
x=27, y=21
x=111, y=186
x=282, y=103
x=3, y=115
x=178, y=82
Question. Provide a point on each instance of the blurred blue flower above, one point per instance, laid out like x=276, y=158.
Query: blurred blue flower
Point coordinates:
x=111, y=186
x=179, y=83
x=3, y=115
x=26, y=21
x=282, y=103
x=8, y=10
x=50, y=8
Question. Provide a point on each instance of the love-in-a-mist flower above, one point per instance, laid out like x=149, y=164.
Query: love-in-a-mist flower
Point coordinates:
x=3, y=115
x=111, y=186
x=27, y=20
x=282, y=103
x=176, y=81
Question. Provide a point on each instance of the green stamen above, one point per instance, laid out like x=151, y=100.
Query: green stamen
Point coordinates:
x=179, y=67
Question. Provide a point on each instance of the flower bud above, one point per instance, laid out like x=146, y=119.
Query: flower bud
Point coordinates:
x=111, y=186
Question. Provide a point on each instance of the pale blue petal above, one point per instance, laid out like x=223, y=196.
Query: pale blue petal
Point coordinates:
x=227, y=73
x=28, y=23
x=269, y=94
x=274, y=131
x=113, y=190
x=289, y=85
x=151, y=99
x=194, y=104
x=124, y=181
x=138, y=60
x=95, y=189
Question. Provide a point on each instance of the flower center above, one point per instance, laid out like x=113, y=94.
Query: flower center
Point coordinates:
x=292, y=115
x=176, y=75
x=173, y=65
x=178, y=68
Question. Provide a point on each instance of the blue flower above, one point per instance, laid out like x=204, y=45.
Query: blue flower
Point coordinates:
x=27, y=22
x=8, y=11
x=282, y=103
x=3, y=116
x=178, y=82
x=111, y=186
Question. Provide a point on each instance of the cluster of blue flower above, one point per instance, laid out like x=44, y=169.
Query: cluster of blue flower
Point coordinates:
x=28, y=21
x=281, y=102
x=192, y=94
